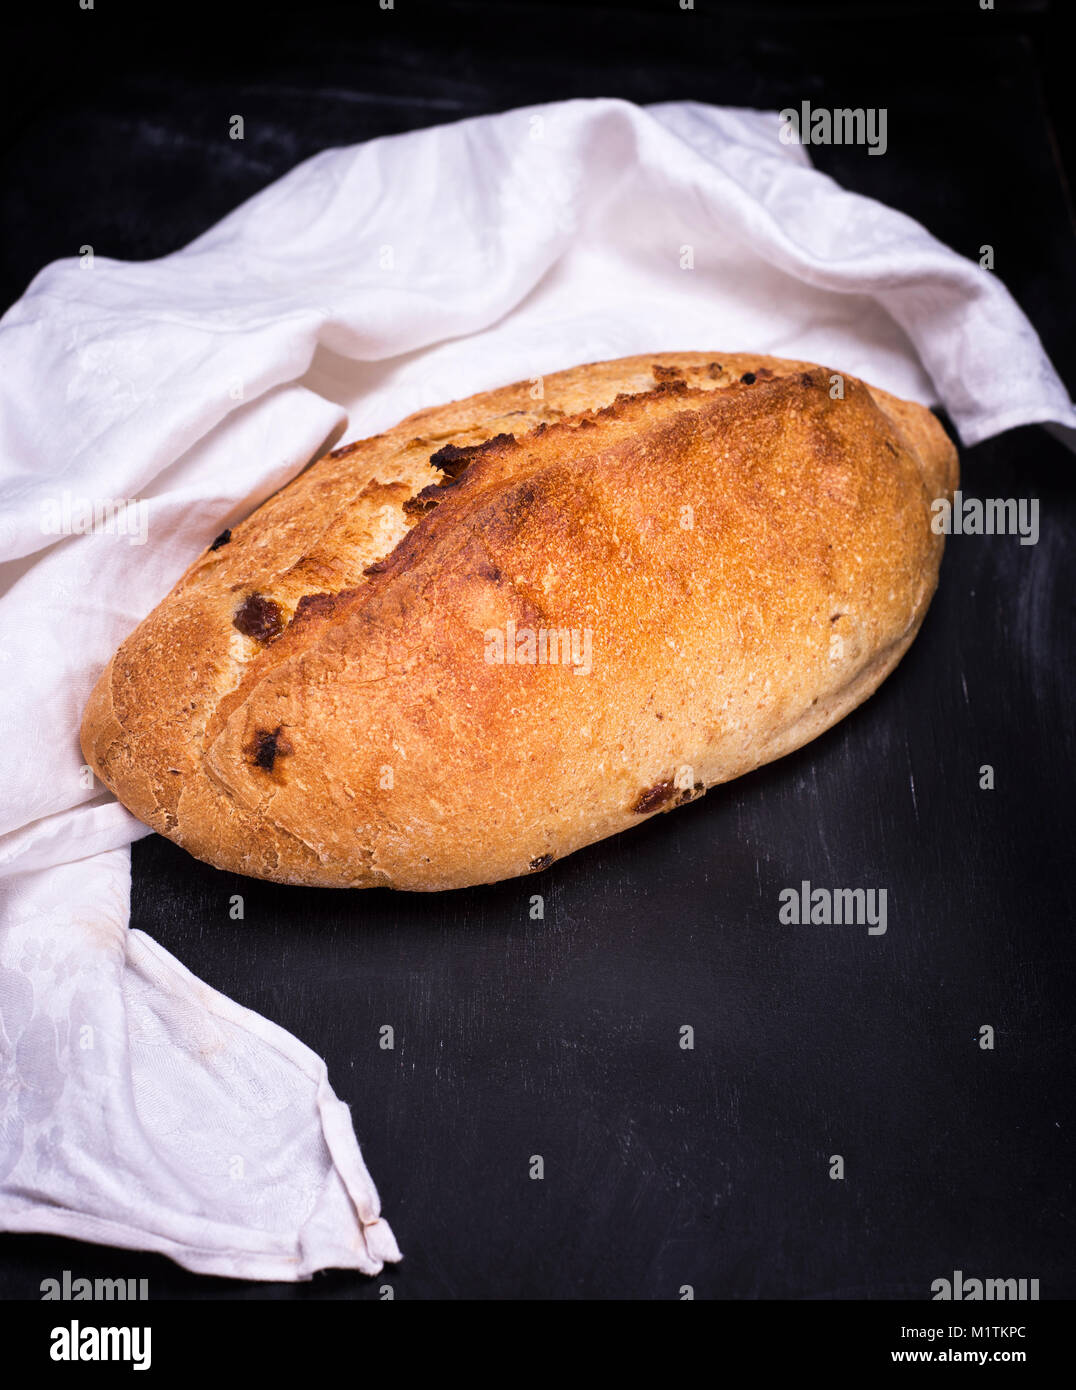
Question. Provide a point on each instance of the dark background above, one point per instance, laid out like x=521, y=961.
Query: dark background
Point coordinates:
x=560, y=1037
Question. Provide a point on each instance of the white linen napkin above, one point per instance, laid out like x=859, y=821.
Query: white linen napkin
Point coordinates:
x=365, y=284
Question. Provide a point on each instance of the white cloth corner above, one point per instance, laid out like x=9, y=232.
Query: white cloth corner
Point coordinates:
x=365, y=284
x=145, y=1110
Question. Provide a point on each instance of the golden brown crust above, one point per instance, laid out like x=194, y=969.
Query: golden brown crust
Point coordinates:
x=749, y=551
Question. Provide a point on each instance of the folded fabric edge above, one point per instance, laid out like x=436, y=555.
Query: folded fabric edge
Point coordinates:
x=258, y=1266
x=362, y=1240
x=1051, y=420
x=375, y=1243
x=339, y=1131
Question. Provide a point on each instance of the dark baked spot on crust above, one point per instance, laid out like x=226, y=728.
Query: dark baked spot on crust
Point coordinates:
x=454, y=458
x=667, y=373
x=422, y=502
x=319, y=605
x=356, y=444
x=517, y=500
x=891, y=447
x=628, y=403
x=835, y=616
x=653, y=798
x=691, y=794
x=315, y=606
x=715, y=369
x=748, y=378
x=222, y=539
x=542, y=862
x=451, y=460
x=267, y=745
x=259, y=617
x=663, y=796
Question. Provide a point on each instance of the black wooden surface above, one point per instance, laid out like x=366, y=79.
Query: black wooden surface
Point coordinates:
x=515, y=1037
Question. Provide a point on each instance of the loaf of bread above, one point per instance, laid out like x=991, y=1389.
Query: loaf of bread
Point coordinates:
x=519, y=623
